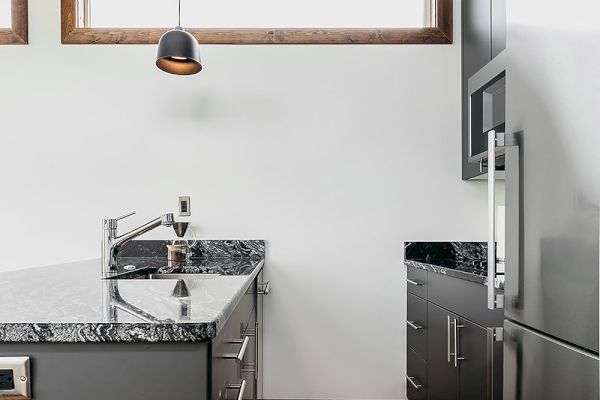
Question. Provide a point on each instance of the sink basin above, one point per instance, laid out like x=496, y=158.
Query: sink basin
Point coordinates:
x=183, y=276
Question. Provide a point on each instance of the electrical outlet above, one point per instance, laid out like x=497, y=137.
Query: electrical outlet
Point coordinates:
x=185, y=207
x=7, y=379
x=14, y=377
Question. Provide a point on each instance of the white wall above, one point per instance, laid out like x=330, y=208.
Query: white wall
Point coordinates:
x=334, y=155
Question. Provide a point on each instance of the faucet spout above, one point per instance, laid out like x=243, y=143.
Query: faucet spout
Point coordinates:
x=112, y=242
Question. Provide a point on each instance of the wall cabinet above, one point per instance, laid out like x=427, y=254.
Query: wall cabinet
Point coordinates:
x=453, y=348
x=483, y=38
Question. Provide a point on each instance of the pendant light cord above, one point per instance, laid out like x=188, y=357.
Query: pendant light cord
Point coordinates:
x=179, y=24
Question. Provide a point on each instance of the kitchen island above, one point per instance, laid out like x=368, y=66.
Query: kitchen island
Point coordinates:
x=138, y=338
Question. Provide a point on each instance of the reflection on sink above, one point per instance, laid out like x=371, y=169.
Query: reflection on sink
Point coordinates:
x=183, y=276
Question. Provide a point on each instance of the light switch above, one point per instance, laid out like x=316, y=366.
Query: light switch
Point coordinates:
x=184, y=206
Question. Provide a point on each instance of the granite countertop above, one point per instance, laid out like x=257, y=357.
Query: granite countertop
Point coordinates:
x=70, y=303
x=463, y=260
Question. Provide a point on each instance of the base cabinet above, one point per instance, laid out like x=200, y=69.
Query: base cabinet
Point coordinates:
x=461, y=358
x=443, y=375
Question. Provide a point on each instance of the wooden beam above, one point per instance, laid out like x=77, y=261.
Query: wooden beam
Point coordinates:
x=441, y=34
x=18, y=33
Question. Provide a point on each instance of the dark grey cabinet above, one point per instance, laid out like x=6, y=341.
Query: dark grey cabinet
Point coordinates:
x=416, y=376
x=454, y=337
x=443, y=382
x=151, y=371
x=471, y=343
x=417, y=324
x=233, y=352
x=483, y=38
x=498, y=27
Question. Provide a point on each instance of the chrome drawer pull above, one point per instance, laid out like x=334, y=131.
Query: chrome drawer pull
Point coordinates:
x=457, y=358
x=266, y=288
x=240, y=355
x=241, y=388
x=413, y=383
x=415, y=283
x=413, y=325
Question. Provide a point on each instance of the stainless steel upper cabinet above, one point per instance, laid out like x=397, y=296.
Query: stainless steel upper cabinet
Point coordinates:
x=552, y=187
x=539, y=368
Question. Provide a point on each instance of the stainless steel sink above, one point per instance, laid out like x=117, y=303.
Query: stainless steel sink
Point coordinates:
x=183, y=276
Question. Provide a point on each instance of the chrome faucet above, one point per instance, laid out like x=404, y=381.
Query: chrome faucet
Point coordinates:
x=112, y=242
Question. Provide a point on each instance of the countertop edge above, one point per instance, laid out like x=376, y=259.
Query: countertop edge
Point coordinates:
x=479, y=279
x=126, y=332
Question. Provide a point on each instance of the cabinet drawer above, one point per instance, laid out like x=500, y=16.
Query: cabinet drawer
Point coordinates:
x=416, y=376
x=416, y=324
x=226, y=370
x=416, y=281
x=468, y=299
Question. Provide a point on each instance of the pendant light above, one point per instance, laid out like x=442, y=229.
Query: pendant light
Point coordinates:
x=178, y=51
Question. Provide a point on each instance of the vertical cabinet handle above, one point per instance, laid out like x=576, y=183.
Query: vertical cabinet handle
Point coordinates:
x=450, y=354
x=456, y=342
x=411, y=380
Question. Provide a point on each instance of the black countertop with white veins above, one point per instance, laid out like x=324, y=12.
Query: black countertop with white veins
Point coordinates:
x=464, y=260
x=70, y=303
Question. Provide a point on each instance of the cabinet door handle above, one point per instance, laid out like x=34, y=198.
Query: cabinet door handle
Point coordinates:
x=266, y=288
x=414, y=283
x=411, y=380
x=240, y=354
x=456, y=350
x=241, y=388
x=449, y=351
x=414, y=325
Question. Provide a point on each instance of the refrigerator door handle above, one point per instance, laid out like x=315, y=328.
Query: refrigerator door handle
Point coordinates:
x=495, y=140
x=492, y=302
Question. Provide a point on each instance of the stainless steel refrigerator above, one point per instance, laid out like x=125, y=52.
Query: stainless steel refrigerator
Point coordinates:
x=550, y=299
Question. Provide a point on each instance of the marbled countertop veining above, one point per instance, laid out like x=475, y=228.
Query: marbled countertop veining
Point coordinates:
x=463, y=260
x=71, y=303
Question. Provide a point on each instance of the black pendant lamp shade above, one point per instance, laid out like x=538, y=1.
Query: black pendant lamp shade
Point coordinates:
x=178, y=51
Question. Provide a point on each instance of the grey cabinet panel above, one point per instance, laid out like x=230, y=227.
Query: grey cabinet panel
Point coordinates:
x=477, y=36
x=416, y=325
x=416, y=370
x=416, y=281
x=442, y=376
x=101, y=371
x=537, y=367
x=498, y=27
x=472, y=340
x=476, y=52
x=227, y=371
x=465, y=298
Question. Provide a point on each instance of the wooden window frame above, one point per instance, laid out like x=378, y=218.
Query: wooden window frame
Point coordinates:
x=439, y=33
x=17, y=33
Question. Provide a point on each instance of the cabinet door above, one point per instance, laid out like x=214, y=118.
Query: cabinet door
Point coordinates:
x=477, y=40
x=498, y=27
x=476, y=52
x=472, y=348
x=442, y=375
